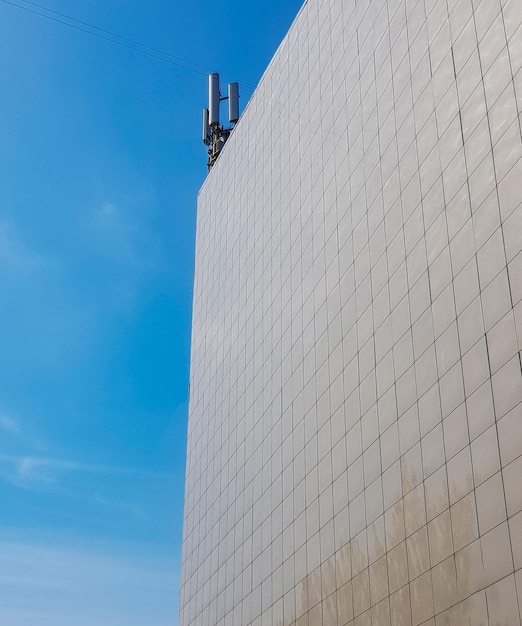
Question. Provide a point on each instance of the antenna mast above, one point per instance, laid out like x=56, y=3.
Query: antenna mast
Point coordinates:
x=214, y=135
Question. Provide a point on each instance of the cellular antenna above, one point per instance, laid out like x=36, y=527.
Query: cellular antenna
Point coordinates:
x=233, y=102
x=213, y=99
x=206, y=128
x=213, y=134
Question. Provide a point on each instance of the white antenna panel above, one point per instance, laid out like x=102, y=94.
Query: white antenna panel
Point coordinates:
x=206, y=128
x=213, y=99
x=233, y=102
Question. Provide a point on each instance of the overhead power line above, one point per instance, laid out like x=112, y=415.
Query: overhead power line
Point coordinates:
x=121, y=40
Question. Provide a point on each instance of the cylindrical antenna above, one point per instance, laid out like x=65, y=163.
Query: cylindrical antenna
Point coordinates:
x=233, y=102
x=205, y=135
x=213, y=99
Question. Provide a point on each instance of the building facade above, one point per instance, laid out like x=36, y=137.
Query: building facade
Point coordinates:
x=355, y=431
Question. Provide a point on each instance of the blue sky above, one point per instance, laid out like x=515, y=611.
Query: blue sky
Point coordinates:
x=100, y=163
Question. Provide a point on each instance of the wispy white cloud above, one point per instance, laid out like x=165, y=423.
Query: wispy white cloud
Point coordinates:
x=119, y=231
x=128, y=248
x=35, y=471
x=15, y=256
x=116, y=228
x=9, y=425
x=43, y=324
x=122, y=505
x=86, y=584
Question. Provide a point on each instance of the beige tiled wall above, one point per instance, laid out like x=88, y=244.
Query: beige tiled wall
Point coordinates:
x=355, y=436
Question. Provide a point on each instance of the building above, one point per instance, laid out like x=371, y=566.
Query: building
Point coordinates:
x=355, y=433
